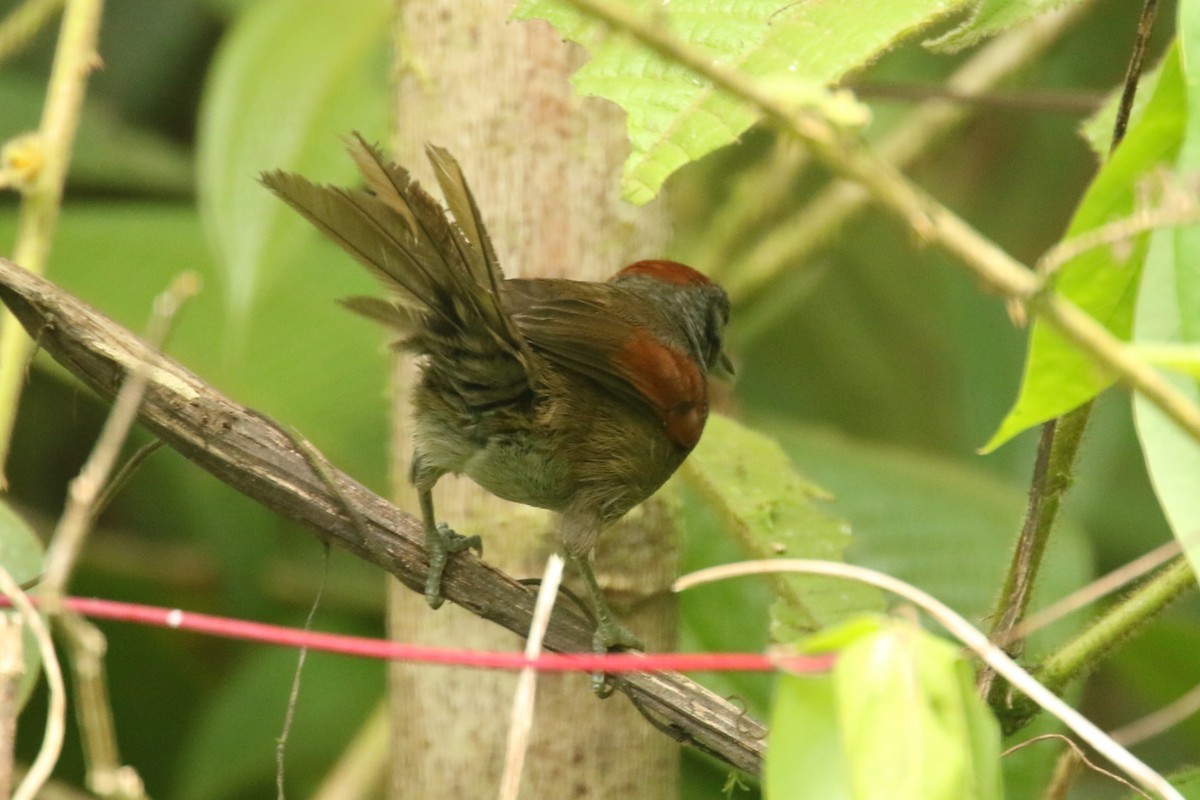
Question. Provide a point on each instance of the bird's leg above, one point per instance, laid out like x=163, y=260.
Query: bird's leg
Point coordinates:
x=440, y=542
x=609, y=633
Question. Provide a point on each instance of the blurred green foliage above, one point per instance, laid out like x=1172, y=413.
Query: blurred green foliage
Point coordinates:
x=879, y=368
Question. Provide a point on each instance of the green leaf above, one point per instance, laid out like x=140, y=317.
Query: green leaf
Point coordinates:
x=773, y=512
x=805, y=756
x=291, y=77
x=898, y=718
x=1168, y=310
x=1097, y=130
x=911, y=721
x=939, y=523
x=1102, y=280
x=990, y=18
x=1186, y=781
x=21, y=556
x=676, y=116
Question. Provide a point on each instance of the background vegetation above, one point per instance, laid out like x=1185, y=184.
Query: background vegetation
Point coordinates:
x=879, y=369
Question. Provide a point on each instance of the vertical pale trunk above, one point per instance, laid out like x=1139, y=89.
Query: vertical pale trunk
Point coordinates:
x=544, y=166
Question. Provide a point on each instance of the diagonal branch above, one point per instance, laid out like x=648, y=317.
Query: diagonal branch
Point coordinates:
x=261, y=460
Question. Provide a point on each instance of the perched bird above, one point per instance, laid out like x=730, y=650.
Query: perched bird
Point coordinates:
x=574, y=396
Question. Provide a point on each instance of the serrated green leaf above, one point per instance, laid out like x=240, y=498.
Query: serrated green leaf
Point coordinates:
x=676, y=116
x=290, y=79
x=21, y=555
x=990, y=18
x=773, y=512
x=911, y=721
x=1103, y=280
x=1168, y=310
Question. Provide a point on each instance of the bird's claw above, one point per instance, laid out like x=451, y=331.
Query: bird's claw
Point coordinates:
x=456, y=542
x=441, y=543
x=610, y=635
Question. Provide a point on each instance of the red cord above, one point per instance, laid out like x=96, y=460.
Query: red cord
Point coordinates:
x=398, y=651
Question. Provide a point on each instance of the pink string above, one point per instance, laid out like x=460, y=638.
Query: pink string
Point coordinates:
x=398, y=651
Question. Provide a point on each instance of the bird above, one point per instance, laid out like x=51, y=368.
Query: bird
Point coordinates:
x=580, y=397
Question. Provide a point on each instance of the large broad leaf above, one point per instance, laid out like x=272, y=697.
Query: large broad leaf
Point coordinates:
x=805, y=756
x=898, y=719
x=676, y=116
x=912, y=720
x=773, y=512
x=1102, y=280
x=291, y=78
x=1168, y=311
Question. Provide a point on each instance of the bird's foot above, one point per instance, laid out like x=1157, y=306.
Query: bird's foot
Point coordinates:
x=610, y=635
x=442, y=542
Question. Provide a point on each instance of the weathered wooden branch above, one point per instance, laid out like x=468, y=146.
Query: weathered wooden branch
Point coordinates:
x=259, y=459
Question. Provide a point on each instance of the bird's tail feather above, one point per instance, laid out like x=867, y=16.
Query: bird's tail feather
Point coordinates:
x=440, y=271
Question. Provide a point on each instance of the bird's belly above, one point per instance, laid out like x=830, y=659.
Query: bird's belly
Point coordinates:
x=515, y=471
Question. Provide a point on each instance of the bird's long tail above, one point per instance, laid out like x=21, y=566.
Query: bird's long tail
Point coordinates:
x=441, y=272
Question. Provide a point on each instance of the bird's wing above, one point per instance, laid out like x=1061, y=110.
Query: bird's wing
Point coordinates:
x=591, y=330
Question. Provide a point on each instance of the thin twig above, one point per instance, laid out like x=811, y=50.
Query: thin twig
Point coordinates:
x=289, y=715
x=86, y=648
x=121, y=477
x=1098, y=589
x=1184, y=210
x=74, y=59
x=106, y=775
x=794, y=243
x=970, y=636
x=23, y=23
x=56, y=714
x=1081, y=654
x=72, y=529
x=1133, y=72
x=1078, y=751
x=12, y=667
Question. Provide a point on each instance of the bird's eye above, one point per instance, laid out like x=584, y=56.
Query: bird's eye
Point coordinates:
x=714, y=336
